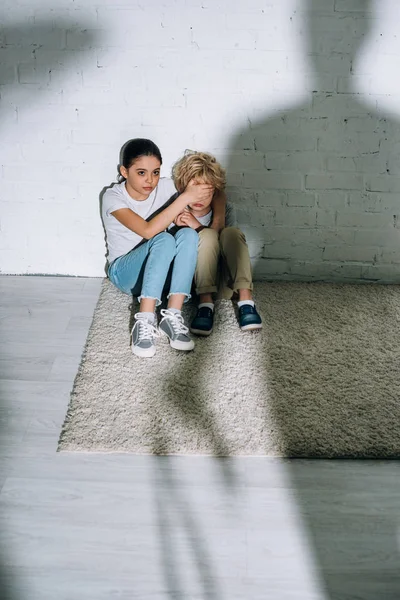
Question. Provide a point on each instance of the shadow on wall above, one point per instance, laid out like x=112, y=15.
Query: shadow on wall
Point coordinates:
x=101, y=195
x=323, y=179
x=36, y=58
x=30, y=55
x=119, y=179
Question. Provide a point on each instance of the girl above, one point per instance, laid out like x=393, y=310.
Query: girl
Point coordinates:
x=140, y=251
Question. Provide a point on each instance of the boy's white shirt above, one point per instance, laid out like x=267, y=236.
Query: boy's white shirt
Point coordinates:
x=120, y=239
x=206, y=219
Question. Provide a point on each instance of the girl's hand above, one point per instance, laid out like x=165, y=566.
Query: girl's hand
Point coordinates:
x=199, y=192
x=186, y=219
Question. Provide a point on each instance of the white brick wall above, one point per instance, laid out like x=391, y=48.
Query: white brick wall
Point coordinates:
x=307, y=124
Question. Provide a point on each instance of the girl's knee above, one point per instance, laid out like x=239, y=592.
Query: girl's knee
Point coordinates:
x=164, y=242
x=187, y=235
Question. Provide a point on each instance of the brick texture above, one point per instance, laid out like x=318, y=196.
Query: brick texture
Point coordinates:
x=303, y=117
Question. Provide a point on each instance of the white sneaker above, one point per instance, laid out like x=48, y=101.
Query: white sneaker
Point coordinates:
x=173, y=327
x=144, y=333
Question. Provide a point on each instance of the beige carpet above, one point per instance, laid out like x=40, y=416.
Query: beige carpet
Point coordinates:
x=321, y=380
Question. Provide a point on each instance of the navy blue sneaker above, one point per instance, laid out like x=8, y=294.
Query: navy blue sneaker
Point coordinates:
x=203, y=322
x=249, y=318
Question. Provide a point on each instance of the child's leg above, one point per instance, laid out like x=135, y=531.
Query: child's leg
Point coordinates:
x=236, y=257
x=205, y=276
x=142, y=272
x=237, y=260
x=186, y=240
x=206, y=281
x=183, y=268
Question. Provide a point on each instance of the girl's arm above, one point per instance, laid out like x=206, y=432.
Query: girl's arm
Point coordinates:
x=218, y=205
x=148, y=229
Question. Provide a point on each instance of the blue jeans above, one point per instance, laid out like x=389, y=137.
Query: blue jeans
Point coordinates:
x=143, y=271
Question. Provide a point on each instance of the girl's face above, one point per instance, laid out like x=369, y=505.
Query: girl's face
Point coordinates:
x=142, y=177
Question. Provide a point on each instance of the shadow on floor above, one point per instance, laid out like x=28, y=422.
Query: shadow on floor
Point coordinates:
x=35, y=48
x=343, y=153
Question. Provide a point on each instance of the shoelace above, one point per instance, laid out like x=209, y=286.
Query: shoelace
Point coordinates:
x=247, y=309
x=146, y=329
x=176, y=321
x=205, y=312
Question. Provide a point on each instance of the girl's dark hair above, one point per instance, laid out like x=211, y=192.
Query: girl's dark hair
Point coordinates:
x=133, y=149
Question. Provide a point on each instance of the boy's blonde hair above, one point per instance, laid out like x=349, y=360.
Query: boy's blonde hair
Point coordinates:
x=198, y=165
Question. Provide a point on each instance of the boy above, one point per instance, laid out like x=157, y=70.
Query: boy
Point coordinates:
x=222, y=258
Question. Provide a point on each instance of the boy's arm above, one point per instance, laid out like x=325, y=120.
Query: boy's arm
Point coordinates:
x=218, y=206
x=186, y=219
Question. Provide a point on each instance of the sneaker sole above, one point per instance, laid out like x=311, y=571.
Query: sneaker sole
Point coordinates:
x=252, y=327
x=201, y=331
x=177, y=345
x=143, y=352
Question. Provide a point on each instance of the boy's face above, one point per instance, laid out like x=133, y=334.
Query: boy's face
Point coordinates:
x=205, y=203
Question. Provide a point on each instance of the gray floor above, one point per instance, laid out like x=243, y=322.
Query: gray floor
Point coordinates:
x=81, y=526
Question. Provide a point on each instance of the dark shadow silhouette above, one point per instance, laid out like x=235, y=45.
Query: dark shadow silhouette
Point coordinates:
x=323, y=409
x=8, y=583
x=188, y=399
x=324, y=199
x=179, y=529
x=101, y=195
x=351, y=513
x=321, y=205
x=119, y=179
x=33, y=58
x=40, y=57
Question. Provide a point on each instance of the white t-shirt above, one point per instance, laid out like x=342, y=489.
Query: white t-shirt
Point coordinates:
x=120, y=239
x=206, y=219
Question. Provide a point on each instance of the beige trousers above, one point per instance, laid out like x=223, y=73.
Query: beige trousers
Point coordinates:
x=223, y=263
